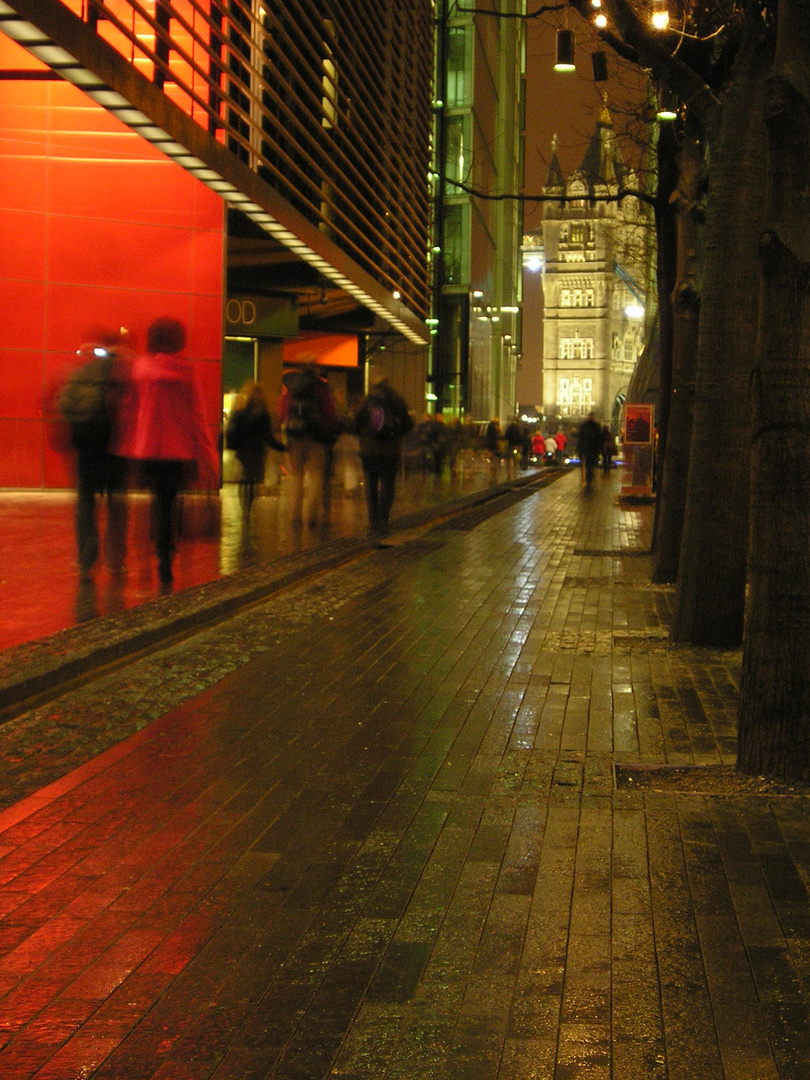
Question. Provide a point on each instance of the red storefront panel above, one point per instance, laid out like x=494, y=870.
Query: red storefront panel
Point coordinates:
x=24, y=237
x=21, y=459
x=22, y=382
x=99, y=229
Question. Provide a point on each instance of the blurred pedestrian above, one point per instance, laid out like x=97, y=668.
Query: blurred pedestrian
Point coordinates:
x=550, y=449
x=382, y=422
x=492, y=439
x=249, y=433
x=589, y=446
x=432, y=437
x=561, y=440
x=514, y=444
x=164, y=430
x=90, y=402
x=308, y=417
x=538, y=447
x=608, y=448
x=525, y=446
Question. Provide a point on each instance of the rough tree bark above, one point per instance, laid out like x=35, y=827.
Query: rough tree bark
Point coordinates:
x=774, y=717
x=710, y=598
x=666, y=266
x=686, y=313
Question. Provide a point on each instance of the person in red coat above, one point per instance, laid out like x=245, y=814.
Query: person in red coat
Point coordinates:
x=163, y=430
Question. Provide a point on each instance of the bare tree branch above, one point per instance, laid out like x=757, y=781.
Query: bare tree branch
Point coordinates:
x=512, y=14
x=622, y=193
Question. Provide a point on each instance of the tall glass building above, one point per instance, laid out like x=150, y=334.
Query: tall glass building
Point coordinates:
x=480, y=135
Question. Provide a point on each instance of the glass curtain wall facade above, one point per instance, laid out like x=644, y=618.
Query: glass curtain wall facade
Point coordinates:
x=479, y=152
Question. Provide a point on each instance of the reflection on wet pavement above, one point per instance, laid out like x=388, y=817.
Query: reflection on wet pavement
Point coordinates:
x=40, y=590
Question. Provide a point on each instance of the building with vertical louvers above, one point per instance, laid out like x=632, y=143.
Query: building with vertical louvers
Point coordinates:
x=258, y=168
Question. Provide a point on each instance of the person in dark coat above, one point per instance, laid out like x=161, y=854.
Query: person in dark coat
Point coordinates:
x=589, y=447
x=90, y=403
x=249, y=433
x=608, y=448
x=309, y=420
x=382, y=422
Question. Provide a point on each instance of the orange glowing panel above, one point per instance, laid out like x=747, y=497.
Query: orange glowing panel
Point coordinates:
x=332, y=350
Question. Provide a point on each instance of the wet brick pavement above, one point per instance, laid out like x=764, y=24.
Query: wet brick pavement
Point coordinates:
x=40, y=591
x=368, y=828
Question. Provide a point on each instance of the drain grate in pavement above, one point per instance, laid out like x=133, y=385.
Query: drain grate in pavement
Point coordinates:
x=641, y=637
x=720, y=780
x=606, y=581
x=612, y=553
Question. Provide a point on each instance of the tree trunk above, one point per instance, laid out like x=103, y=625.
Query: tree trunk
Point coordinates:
x=710, y=598
x=666, y=272
x=774, y=718
x=686, y=312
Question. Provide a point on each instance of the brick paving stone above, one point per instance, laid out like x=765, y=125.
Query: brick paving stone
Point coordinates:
x=368, y=829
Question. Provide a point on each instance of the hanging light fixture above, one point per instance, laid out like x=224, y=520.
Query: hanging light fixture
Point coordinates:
x=667, y=104
x=660, y=14
x=565, y=51
x=600, y=22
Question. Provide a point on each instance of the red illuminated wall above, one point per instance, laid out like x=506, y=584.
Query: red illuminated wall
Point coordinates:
x=96, y=227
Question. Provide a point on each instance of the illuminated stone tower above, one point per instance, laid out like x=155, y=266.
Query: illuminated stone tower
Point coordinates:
x=592, y=283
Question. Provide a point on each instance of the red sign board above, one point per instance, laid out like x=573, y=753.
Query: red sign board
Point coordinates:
x=638, y=425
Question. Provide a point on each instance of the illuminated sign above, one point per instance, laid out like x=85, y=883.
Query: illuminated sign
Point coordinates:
x=261, y=316
x=638, y=425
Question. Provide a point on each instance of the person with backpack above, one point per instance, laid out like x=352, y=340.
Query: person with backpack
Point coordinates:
x=382, y=422
x=308, y=417
x=249, y=433
x=90, y=402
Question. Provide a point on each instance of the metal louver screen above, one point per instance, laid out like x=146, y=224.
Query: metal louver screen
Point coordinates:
x=328, y=102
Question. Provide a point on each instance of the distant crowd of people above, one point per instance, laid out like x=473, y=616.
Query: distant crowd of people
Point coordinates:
x=143, y=416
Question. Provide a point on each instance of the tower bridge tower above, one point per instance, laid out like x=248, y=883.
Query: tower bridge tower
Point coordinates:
x=594, y=250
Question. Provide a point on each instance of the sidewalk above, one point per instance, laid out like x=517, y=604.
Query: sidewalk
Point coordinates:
x=40, y=591
x=404, y=821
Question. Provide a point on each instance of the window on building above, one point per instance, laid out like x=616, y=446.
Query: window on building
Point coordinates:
x=459, y=156
x=575, y=396
x=565, y=298
x=456, y=244
x=459, y=66
x=577, y=234
x=576, y=348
